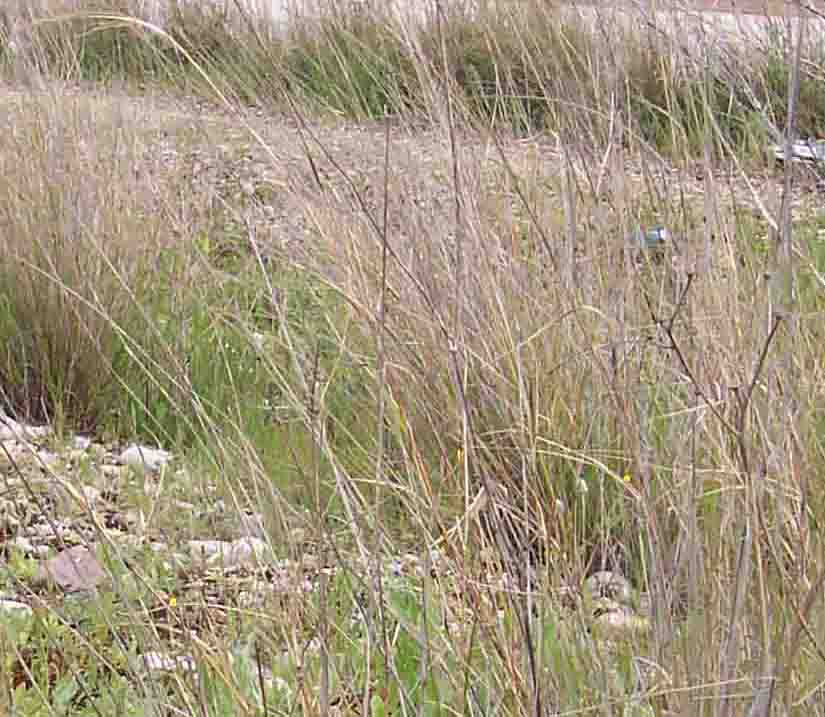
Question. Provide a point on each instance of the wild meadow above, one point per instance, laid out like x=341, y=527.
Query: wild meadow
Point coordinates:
x=503, y=327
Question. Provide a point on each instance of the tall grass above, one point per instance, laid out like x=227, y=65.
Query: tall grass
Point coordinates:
x=464, y=350
x=531, y=67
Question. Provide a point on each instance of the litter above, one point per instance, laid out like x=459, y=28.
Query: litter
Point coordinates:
x=655, y=238
x=802, y=150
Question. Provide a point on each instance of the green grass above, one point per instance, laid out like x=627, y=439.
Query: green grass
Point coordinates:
x=528, y=73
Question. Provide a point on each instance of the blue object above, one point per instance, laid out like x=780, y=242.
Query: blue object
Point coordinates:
x=655, y=238
x=804, y=150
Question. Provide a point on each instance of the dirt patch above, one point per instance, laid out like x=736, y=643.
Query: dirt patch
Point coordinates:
x=289, y=170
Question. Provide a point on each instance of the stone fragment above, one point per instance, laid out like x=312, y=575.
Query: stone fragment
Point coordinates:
x=150, y=459
x=73, y=570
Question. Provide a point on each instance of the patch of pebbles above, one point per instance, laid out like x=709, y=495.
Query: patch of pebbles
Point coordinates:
x=52, y=515
x=33, y=526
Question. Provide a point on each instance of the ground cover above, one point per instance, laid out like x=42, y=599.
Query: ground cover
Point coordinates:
x=484, y=361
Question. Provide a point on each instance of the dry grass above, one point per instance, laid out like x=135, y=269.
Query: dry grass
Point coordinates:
x=466, y=352
x=81, y=233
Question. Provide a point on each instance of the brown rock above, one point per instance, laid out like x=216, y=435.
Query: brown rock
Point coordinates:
x=73, y=570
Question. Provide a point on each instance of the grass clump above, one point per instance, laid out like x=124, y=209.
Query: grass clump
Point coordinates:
x=356, y=67
x=533, y=68
x=71, y=254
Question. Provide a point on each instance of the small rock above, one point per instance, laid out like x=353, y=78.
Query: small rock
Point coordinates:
x=247, y=551
x=73, y=570
x=150, y=459
x=252, y=526
x=649, y=239
x=805, y=150
x=243, y=552
x=258, y=341
x=13, y=430
x=615, y=621
x=15, y=608
x=91, y=494
x=81, y=443
x=47, y=458
x=607, y=584
x=50, y=531
x=24, y=545
x=161, y=662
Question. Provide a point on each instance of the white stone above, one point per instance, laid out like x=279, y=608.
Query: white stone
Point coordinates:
x=152, y=459
x=258, y=341
x=24, y=545
x=13, y=607
x=222, y=553
x=81, y=443
x=247, y=551
x=161, y=662
x=253, y=526
x=11, y=429
x=47, y=458
x=91, y=494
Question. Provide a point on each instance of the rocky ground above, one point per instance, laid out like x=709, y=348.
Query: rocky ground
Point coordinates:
x=77, y=521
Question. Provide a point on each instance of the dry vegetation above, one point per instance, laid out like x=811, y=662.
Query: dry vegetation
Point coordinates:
x=376, y=284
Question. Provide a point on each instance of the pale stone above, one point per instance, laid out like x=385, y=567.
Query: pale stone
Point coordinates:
x=151, y=459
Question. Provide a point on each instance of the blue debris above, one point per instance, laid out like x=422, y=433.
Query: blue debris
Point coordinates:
x=803, y=150
x=650, y=239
